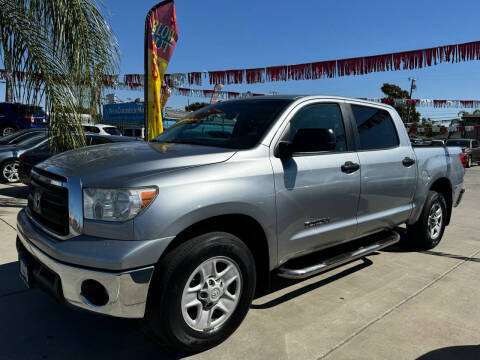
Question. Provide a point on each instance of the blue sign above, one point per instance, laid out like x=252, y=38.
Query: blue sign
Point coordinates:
x=127, y=111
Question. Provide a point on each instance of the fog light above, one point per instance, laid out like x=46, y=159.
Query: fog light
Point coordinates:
x=94, y=292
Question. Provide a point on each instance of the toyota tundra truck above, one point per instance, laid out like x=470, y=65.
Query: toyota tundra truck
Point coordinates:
x=184, y=230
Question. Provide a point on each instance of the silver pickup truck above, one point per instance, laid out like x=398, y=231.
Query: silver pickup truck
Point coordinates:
x=183, y=231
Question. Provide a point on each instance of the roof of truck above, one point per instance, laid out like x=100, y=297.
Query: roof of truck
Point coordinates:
x=297, y=97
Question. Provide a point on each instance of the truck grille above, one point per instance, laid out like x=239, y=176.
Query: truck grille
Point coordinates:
x=48, y=204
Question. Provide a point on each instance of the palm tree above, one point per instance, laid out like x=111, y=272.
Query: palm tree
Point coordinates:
x=57, y=52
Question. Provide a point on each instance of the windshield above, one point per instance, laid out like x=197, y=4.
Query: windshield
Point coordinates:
x=461, y=143
x=32, y=141
x=237, y=124
x=112, y=130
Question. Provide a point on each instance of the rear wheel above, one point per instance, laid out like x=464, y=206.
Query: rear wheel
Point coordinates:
x=201, y=292
x=427, y=232
x=10, y=171
x=8, y=129
x=469, y=161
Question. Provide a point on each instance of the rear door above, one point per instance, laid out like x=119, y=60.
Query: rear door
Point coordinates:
x=316, y=200
x=388, y=170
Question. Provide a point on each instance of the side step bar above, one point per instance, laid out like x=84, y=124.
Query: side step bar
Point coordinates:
x=335, y=261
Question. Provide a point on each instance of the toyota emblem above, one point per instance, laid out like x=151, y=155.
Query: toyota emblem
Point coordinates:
x=36, y=201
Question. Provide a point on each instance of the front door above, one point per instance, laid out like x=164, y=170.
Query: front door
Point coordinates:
x=316, y=200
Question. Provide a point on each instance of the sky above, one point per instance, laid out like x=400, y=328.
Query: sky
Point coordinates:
x=220, y=35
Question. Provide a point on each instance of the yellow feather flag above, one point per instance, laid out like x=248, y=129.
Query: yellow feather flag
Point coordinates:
x=161, y=35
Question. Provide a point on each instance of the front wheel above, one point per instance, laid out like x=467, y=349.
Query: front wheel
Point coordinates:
x=201, y=292
x=427, y=232
x=10, y=171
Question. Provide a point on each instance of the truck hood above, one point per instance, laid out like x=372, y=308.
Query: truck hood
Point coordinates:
x=117, y=164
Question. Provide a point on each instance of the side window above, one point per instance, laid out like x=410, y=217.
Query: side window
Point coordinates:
x=375, y=128
x=326, y=116
x=475, y=144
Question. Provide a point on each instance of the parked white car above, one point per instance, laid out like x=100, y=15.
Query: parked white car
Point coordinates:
x=101, y=129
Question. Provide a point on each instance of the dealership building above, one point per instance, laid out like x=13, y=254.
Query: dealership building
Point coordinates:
x=130, y=117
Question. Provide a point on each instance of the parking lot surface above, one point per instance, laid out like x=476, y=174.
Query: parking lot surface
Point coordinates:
x=395, y=304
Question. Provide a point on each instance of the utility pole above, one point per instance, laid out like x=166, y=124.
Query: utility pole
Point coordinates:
x=412, y=87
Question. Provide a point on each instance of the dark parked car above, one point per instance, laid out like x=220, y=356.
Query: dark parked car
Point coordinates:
x=43, y=152
x=14, y=117
x=469, y=147
x=21, y=135
x=9, y=156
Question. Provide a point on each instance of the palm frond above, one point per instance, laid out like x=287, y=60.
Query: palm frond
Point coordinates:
x=58, y=51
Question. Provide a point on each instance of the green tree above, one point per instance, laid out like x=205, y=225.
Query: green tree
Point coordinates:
x=427, y=121
x=195, y=106
x=463, y=113
x=406, y=112
x=56, y=53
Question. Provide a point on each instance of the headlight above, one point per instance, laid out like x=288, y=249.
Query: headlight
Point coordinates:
x=116, y=204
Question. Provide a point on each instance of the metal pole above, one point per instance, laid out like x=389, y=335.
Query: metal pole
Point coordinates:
x=412, y=86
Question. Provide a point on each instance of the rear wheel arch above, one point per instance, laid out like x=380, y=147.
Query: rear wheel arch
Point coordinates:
x=245, y=228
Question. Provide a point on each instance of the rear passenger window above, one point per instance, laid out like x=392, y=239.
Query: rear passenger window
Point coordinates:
x=375, y=128
x=326, y=116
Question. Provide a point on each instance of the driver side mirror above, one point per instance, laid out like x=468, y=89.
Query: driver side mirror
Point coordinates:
x=307, y=140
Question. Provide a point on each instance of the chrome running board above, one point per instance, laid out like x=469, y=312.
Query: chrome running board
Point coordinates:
x=327, y=264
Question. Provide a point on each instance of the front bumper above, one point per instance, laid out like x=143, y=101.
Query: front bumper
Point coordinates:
x=127, y=290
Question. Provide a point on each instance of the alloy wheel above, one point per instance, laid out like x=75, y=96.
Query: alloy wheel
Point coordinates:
x=211, y=294
x=10, y=172
x=8, y=130
x=435, y=219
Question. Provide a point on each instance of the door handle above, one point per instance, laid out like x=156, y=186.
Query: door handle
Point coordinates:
x=350, y=167
x=408, y=161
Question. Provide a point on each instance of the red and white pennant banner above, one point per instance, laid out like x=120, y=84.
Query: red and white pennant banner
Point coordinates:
x=403, y=60
x=414, y=59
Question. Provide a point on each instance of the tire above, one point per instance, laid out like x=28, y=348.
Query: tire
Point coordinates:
x=175, y=316
x=9, y=172
x=8, y=129
x=469, y=162
x=425, y=234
